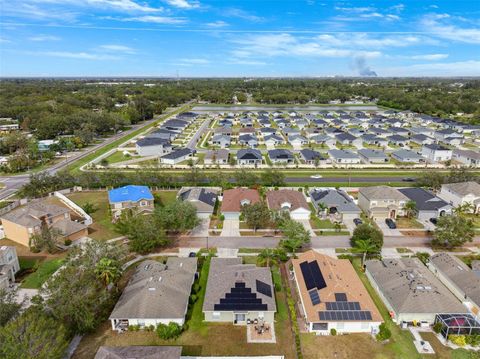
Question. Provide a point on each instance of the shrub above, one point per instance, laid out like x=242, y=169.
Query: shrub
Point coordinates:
x=134, y=328
x=423, y=256
x=333, y=331
x=345, y=256
x=473, y=340
x=384, y=333
x=437, y=327
x=68, y=242
x=170, y=331
x=459, y=340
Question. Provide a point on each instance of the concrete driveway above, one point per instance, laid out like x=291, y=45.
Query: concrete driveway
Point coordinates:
x=231, y=228
x=385, y=229
x=348, y=222
x=202, y=229
x=306, y=224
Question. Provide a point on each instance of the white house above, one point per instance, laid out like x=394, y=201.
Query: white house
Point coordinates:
x=461, y=193
x=9, y=266
x=436, y=153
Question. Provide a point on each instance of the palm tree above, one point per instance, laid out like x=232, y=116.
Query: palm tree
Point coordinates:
x=321, y=208
x=107, y=271
x=364, y=246
x=410, y=208
x=337, y=226
x=466, y=207
x=267, y=256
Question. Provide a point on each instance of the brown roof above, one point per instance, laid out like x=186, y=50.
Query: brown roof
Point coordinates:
x=296, y=199
x=232, y=198
x=340, y=277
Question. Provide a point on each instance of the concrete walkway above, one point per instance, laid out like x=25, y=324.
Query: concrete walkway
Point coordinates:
x=231, y=228
x=308, y=227
x=202, y=229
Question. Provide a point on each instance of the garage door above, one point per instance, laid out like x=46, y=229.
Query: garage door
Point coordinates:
x=231, y=215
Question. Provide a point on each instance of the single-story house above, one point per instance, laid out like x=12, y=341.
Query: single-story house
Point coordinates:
x=372, y=156
x=335, y=202
x=273, y=140
x=153, y=146
x=265, y=131
x=249, y=156
x=458, y=194
x=421, y=139
x=458, y=278
x=136, y=198
x=202, y=198
x=215, y=157
x=322, y=140
x=410, y=291
x=427, y=204
x=223, y=141
x=332, y=296
x=289, y=131
x=156, y=294
x=422, y=130
x=290, y=201
x=176, y=124
x=382, y=201
x=343, y=156
x=467, y=157
x=297, y=140
x=398, y=140
x=371, y=139
x=407, y=156
x=248, y=140
x=177, y=156
x=239, y=293
x=348, y=139
x=234, y=199
x=436, y=153
x=399, y=131
x=312, y=157
x=164, y=134
x=281, y=156
x=9, y=266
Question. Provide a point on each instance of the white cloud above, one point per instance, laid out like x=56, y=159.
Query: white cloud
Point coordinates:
x=183, y=4
x=364, y=40
x=397, y=8
x=441, y=26
x=429, y=57
x=4, y=40
x=355, y=9
x=124, y=5
x=77, y=55
x=41, y=38
x=242, y=14
x=217, y=24
x=117, y=49
x=194, y=61
x=246, y=62
x=155, y=19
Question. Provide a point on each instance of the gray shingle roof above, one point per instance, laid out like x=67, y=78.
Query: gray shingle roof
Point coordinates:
x=410, y=287
x=157, y=291
x=30, y=214
x=335, y=198
x=424, y=200
x=382, y=192
x=464, y=188
x=202, y=198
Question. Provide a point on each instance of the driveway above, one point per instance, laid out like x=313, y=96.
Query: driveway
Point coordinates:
x=307, y=226
x=202, y=229
x=231, y=228
x=385, y=230
x=348, y=222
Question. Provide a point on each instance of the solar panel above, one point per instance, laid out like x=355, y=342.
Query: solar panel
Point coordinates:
x=307, y=275
x=343, y=315
x=340, y=297
x=240, y=298
x=314, y=297
x=317, y=275
x=264, y=288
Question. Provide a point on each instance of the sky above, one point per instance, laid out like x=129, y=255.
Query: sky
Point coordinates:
x=215, y=38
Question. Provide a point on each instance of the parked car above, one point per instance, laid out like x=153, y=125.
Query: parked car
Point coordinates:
x=357, y=221
x=434, y=221
x=408, y=179
x=316, y=176
x=390, y=223
x=192, y=254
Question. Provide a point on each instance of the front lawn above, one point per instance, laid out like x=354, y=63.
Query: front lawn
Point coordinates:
x=407, y=223
x=40, y=276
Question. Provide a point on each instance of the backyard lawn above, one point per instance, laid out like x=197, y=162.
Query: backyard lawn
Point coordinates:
x=44, y=271
x=200, y=338
x=164, y=197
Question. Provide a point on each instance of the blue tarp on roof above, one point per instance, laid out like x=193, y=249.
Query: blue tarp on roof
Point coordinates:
x=129, y=193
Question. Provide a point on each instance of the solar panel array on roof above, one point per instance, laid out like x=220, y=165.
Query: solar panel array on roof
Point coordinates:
x=240, y=298
x=312, y=275
x=345, y=315
x=264, y=288
x=340, y=297
x=314, y=297
x=342, y=305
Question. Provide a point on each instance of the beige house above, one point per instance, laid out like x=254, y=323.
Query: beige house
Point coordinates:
x=136, y=198
x=382, y=201
x=9, y=265
x=23, y=222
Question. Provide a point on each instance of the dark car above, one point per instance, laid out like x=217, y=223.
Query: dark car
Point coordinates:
x=434, y=221
x=357, y=221
x=390, y=223
x=192, y=254
x=408, y=179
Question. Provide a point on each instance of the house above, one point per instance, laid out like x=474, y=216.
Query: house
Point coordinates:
x=398, y=140
x=264, y=122
x=289, y=201
x=153, y=146
x=238, y=293
x=223, y=141
x=273, y=140
x=371, y=139
x=202, y=198
x=343, y=156
x=382, y=201
x=297, y=140
x=312, y=157
x=407, y=156
x=44, y=145
x=248, y=140
x=467, y=157
x=249, y=156
x=458, y=278
x=458, y=194
x=436, y=153
x=176, y=125
x=246, y=122
x=448, y=135
x=379, y=132
x=9, y=266
x=136, y=198
x=348, y=139
x=322, y=140
x=336, y=203
x=281, y=156
x=215, y=157
x=422, y=130
x=234, y=199
x=157, y=293
x=176, y=156
x=332, y=296
x=139, y=352
x=399, y=131
x=289, y=131
x=410, y=291
x=421, y=139
x=427, y=204
x=164, y=134
x=25, y=221
x=372, y=156
x=265, y=131
x=227, y=131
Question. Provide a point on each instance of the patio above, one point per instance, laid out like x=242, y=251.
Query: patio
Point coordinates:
x=261, y=333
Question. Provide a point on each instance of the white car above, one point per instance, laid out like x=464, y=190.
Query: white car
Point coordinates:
x=316, y=176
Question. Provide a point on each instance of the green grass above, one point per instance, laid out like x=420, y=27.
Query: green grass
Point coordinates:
x=405, y=223
x=44, y=271
x=118, y=156
x=163, y=198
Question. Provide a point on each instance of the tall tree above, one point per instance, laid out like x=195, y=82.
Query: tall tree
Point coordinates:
x=295, y=235
x=367, y=232
x=178, y=216
x=453, y=231
x=9, y=308
x=365, y=247
x=256, y=215
x=410, y=208
x=107, y=270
